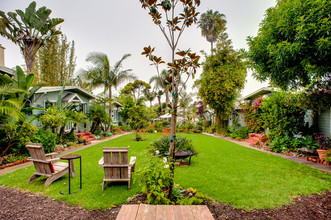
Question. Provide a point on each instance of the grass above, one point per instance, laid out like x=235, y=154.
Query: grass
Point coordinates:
x=229, y=173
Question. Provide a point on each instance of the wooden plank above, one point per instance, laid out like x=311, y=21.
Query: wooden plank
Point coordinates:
x=146, y=212
x=128, y=212
x=201, y=212
x=124, y=162
x=183, y=212
x=116, y=160
x=165, y=212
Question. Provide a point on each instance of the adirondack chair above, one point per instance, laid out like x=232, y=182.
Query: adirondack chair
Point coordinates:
x=116, y=166
x=44, y=166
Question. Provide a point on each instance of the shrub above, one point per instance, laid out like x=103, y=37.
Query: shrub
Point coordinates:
x=280, y=144
x=70, y=137
x=282, y=115
x=252, y=115
x=156, y=178
x=46, y=138
x=241, y=133
x=163, y=144
x=206, y=123
x=106, y=134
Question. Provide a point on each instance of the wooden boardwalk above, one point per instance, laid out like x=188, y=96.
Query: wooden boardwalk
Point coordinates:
x=164, y=212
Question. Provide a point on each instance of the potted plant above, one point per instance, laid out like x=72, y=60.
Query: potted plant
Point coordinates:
x=324, y=143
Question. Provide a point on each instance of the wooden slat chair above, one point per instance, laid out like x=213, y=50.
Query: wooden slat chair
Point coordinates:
x=116, y=166
x=44, y=166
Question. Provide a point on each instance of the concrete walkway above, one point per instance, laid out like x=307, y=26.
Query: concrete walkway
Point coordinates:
x=60, y=153
x=318, y=166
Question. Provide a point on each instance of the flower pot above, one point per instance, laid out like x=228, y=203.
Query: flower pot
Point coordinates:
x=321, y=153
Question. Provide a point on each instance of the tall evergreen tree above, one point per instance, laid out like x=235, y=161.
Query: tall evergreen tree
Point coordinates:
x=56, y=62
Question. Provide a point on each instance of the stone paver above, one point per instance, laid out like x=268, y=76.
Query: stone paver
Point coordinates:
x=295, y=159
x=61, y=153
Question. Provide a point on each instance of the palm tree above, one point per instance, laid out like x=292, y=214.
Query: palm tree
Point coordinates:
x=101, y=74
x=212, y=24
x=150, y=96
x=31, y=32
x=184, y=101
x=161, y=82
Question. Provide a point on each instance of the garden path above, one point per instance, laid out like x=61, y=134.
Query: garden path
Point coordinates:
x=295, y=159
x=61, y=153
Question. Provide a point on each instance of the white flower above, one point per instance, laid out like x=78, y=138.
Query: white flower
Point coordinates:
x=165, y=160
x=166, y=166
x=157, y=152
x=155, y=131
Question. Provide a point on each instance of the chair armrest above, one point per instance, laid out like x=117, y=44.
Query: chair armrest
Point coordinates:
x=132, y=163
x=51, y=154
x=53, y=159
x=101, y=162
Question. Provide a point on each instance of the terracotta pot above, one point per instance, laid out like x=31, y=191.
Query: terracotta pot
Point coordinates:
x=321, y=153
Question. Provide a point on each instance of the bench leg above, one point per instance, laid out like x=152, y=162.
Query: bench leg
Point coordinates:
x=103, y=185
x=33, y=178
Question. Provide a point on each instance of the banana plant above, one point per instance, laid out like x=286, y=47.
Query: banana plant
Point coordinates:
x=19, y=91
x=29, y=30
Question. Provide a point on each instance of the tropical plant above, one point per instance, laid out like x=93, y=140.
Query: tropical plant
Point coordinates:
x=150, y=96
x=211, y=25
x=161, y=82
x=29, y=30
x=19, y=92
x=101, y=74
x=308, y=142
x=184, y=101
x=98, y=115
x=162, y=145
x=293, y=43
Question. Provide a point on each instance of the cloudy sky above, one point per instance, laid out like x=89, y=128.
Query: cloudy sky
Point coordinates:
x=120, y=27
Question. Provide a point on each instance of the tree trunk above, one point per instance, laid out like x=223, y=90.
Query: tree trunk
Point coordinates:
x=167, y=95
x=211, y=47
x=160, y=104
x=110, y=118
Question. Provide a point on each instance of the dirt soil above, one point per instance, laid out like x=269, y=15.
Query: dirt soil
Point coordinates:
x=16, y=204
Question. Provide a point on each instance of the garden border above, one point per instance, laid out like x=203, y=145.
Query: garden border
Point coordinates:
x=295, y=159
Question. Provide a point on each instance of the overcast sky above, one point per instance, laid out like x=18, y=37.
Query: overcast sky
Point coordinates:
x=120, y=27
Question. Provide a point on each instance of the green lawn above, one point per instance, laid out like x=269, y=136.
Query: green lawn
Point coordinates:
x=228, y=172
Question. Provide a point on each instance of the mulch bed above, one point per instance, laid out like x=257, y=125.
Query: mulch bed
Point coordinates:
x=24, y=205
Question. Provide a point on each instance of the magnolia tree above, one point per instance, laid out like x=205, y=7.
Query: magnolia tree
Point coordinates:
x=172, y=22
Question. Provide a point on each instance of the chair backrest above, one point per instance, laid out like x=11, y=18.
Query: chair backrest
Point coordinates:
x=39, y=158
x=116, y=162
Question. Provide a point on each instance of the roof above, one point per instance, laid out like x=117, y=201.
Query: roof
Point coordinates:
x=47, y=89
x=7, y=71
x=72, y=97
x=259, y=92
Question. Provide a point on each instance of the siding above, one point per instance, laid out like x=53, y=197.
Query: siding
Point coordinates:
x=324, y=121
